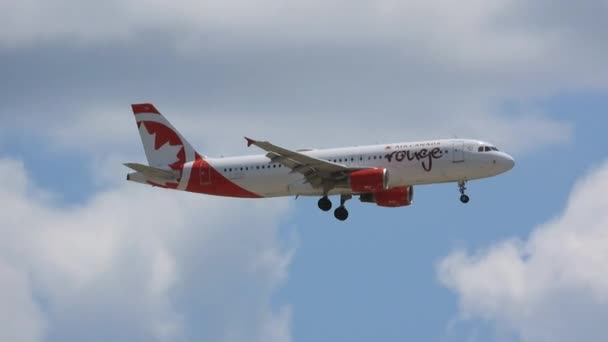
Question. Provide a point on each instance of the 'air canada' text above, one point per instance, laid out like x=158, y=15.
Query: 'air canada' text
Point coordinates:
x=424, y=155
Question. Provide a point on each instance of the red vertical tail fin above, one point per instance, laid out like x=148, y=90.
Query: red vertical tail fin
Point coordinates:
x=164, y=146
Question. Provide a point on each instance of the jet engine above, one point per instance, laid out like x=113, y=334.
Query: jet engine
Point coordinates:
x=369, y=180
x=393, y=197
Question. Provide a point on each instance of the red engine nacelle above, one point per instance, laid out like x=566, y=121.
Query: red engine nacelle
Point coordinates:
x=394, y=197
x=370, y=180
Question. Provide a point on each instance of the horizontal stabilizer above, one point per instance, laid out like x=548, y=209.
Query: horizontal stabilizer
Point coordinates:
x=153, y=172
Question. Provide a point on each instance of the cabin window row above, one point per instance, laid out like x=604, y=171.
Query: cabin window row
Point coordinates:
x=274, y=166
x=246, y=168
x=352, y=159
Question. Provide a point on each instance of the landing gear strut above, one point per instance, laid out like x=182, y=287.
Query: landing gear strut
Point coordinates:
x=324, y=203
x=341, y=213
x=462, y=188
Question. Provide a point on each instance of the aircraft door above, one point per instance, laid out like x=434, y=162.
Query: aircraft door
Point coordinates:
x=458, y=152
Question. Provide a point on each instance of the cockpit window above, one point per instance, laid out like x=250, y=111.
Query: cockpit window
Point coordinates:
x=485, y=148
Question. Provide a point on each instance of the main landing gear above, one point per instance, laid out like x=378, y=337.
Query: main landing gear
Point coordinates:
x=462, y=188
x=324, y=203
x=340, y=213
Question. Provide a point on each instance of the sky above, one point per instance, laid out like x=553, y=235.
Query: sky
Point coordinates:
x=86, y=255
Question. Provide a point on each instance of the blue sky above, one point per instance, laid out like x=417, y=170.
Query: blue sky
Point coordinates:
x=376, y=277
x=87, y=256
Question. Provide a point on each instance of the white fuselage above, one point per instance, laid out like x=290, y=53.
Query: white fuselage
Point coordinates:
x=409, y=163
x=380, y=174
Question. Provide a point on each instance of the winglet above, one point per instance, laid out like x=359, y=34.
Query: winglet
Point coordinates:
x=250, y=141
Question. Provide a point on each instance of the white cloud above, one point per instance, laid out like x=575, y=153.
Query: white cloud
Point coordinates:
x=295, y=73
x=20, y=318
x=381, y=70
x=137, y=263
x=552, y=286
x=476, y=34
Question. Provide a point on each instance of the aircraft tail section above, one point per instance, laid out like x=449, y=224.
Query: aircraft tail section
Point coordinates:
x=167, y=151
x=164, y=146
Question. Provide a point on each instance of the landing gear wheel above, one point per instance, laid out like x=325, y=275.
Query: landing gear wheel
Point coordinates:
x=324, y=203
x=462, y=188
x=341, y=213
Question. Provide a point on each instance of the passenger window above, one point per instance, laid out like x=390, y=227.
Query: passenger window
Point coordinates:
x=230, y=169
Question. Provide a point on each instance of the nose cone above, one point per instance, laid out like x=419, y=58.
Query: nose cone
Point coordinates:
x=506, y=163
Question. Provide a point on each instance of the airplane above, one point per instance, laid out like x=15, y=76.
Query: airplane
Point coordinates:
x=381, y=174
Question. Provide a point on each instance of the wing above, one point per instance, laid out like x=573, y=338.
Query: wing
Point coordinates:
x=318, y=172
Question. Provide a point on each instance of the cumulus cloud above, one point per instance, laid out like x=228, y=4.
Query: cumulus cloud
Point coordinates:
x=138, y=264
x=22, y=319
x=553, y=286
x=372, y=68
x=476, y=34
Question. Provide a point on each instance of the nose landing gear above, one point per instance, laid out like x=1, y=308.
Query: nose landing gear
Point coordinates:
x=462, y=188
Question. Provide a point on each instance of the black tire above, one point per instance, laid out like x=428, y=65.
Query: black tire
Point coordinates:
x=464, y=199
x=324, y=203
x=341, y=213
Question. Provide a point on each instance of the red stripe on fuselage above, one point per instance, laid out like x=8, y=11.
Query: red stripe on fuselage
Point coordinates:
x=205, y=179
x=166, y=186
